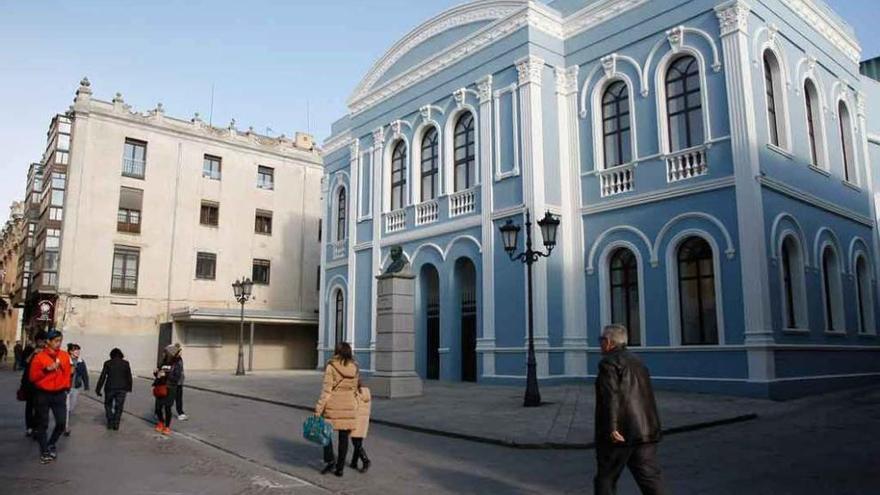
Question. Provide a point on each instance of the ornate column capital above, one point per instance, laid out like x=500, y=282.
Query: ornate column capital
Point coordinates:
x=354, y=149
x=530, y=69
x=379, y=138
x=733, y=17
x=484, y=89
x=567, y=80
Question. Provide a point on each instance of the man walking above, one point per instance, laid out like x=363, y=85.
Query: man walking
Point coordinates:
x=3, y=351
x=627, y=423
x=115, y=382
x=16, y=354
x=49, y=373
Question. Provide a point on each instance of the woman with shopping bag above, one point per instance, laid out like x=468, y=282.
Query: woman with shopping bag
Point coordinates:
x=338, y=404
x=362, y=424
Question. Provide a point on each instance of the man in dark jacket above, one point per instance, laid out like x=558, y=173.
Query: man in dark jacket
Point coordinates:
x=115, y=381
x=627, y=423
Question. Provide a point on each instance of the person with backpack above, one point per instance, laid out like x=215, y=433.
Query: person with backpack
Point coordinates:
x=115, y=382
x=79, y=380
x=49, y=372
x=338, y=404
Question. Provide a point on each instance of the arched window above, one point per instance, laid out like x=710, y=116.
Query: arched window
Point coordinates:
x=340, y=317
x=398, y=176
x=814, y=113
x=430, y=164
x=865, y=296
x=846, y=142
x=793, y=291
x=616, y=140
x=696, y=292
x=341, y=210
x=684, y=104
x=464, y=152
x=831, y=291
x=771, y=88
x=624, y=277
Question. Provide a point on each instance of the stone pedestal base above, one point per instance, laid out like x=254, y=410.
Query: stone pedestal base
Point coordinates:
x=395, y=385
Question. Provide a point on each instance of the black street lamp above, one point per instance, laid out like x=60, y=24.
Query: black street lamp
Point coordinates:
x=242, y=289
x=510, y=236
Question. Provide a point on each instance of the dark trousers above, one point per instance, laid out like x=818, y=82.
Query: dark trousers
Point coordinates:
x=641, y=461
x=163, y=408
x=178, y=400
x=114, y=401
x=57, y=403
x=30, y=410
x=343, y=450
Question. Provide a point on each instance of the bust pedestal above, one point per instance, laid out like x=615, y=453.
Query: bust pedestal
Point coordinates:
x=395, y=367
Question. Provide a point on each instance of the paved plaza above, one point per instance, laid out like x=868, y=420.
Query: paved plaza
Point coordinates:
x=231, y=445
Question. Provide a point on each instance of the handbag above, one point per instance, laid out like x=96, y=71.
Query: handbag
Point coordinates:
x=318, y=430
x=160, y=391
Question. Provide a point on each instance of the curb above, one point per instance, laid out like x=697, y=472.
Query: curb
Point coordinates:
x=480, y=439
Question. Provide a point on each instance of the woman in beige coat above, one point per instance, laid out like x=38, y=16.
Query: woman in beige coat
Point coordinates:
x=362, y=425
x=338, y=404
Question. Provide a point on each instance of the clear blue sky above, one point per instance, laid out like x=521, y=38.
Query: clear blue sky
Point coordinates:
x=266, y=60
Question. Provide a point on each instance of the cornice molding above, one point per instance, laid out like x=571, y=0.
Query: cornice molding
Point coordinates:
x=827, y=27
x=336, y=143
x=810, y=199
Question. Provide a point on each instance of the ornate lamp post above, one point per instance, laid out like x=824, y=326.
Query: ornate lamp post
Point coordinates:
x=242, y=289
x=510, y=236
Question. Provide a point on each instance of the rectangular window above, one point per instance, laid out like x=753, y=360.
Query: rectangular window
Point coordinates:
x=261, y=272
x=50, y=261
x=265, y=177
x=263, y=222
x=125, y=270
x=55, y=213
x=53, y=238
x=318, y=280
x=210, y=214
x=63, y=142
x=206, y=266
x=211, y=167
x=128, y=218
x=134, y=158
x=57, y=197
x=59, y=180
x=320, y=228
x=62, y=157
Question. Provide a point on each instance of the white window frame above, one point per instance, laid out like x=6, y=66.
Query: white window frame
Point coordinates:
x=672, y=285
x=780, y=96
x=605, y=285
x=662, y=110
x=820, y=133
x=838, y=314
x=798, y=283
x=598, y=117
x=870, y=325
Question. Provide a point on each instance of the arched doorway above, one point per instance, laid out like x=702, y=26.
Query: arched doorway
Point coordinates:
x=430, y=290
x=466, y=283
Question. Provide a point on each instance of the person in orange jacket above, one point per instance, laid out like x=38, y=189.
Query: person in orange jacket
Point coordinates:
x=49, y=373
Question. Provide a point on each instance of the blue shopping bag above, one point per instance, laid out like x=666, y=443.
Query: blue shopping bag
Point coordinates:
x=318, y=430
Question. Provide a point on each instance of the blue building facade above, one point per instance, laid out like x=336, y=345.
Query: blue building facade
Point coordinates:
x=709, y=162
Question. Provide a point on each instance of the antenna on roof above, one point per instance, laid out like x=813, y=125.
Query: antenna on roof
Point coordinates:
x=211, y=112
x=308, y=118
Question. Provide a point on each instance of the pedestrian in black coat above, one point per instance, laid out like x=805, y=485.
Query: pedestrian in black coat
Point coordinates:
x=627, y=422
x=115, y=382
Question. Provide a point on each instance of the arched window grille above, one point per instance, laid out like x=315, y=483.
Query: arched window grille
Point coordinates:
x=464, y=152
x=684, y=104
x=430, y=164
x=624, y=277
x=696, y=292
x=340, y=317
x=617, y=140
x=398, y=176
x=341, y=211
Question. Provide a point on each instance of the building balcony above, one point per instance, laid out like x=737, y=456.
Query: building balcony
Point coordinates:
x=339, y=249
x=686, y=164
x=617, y=180
x=133, y=168
x=462, y=203
x=427, y=212
x=395, y=221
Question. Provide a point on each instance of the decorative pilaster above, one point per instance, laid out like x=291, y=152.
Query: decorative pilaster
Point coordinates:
x=351, y=215
x=733, y=17
x=486, y=344
x=377, y=166
x=575, y=331
x=531, y=72
x=322, y=297
x=861, y=111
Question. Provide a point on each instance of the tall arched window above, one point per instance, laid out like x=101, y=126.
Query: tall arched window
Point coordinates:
x=464, y=152
x=616, y=140
x=340, y=317
x=398, y=176
x=793, y=290
x=696, y=292
x=624, y=277
x=684, y=104
x=846, y=142
x=814, y=113
x=430, y=164
x=771, y=87
x=865, y=293
x=341, y=209
x=831, y=290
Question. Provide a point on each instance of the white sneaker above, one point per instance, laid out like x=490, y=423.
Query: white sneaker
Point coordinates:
x=182, y=417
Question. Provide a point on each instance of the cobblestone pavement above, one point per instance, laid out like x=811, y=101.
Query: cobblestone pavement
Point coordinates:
x=820, y=445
